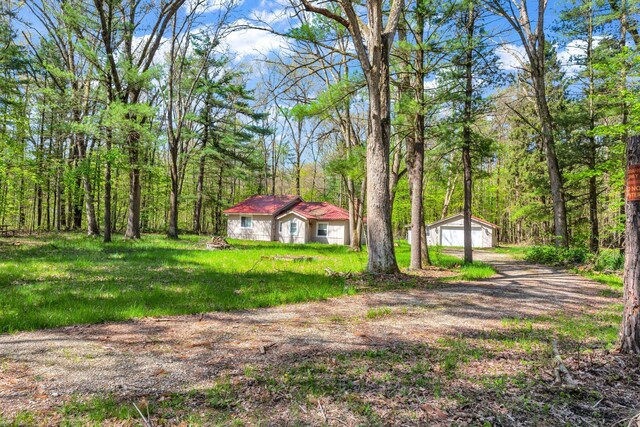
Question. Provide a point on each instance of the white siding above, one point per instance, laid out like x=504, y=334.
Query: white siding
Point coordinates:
x=338, y=232
x=285, y=236
x=488, y=233
x=262, y=228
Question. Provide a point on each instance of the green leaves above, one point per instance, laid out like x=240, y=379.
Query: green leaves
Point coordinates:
x=337, y=96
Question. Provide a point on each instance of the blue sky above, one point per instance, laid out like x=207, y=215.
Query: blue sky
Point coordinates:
x=250, y=44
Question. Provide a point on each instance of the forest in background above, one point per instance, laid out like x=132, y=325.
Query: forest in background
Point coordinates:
x=121, y=116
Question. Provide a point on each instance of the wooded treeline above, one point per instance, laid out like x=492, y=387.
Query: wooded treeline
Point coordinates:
x=134, y=116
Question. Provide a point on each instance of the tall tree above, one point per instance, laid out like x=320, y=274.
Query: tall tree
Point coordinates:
x=630, y=330
x=73, y=76
x=125, y=65
x=533, y=39
x=372, y=41
x=185, y=70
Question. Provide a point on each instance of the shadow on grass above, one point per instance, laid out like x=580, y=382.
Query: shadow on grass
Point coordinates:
x=496, y=378
x=70, y=280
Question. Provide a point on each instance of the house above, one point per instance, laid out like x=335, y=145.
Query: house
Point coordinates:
x=288, y=219
x=450, y=232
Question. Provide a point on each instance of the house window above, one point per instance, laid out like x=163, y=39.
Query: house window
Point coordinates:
x=323, y=229
x=246, y=222
x=293, y=228
x=280, y=227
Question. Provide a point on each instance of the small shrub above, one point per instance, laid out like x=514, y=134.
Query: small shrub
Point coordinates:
x=608, y=260
x=552, y=255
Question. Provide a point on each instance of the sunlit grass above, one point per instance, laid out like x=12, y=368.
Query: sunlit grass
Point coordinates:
x=517, y=252
x=64, y=279
x=474, y=271
x=613, y=281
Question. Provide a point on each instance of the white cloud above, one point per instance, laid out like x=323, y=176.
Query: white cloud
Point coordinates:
x=511, y=56
x=431, y=84
x=207, y=6
x=253, y=42
x=572, y=56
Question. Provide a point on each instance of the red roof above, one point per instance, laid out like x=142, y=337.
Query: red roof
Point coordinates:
x=321, y=211
x=267, y=205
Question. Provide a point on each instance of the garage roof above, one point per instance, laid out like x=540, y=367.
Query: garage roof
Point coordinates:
x=460, y=215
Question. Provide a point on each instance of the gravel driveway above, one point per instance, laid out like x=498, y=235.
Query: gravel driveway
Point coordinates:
x=157, y=355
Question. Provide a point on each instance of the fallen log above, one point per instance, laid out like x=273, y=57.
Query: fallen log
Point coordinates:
x=218, y=242
x=561, y=373
x=293, y=258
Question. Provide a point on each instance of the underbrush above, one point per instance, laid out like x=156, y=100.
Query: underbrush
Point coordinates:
x=607, y=260
x=604, y=267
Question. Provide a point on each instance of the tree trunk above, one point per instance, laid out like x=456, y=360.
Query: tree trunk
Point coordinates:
x=133, y=210
x=630, y=331
x=451, y=188
x=75, y=204
x=468, y=188
x=218, y=206
x=553, y=168
x=415, y=140
x=394, y=173
x=534, y=44
x=354, y=241
x=92, y=223
x=197, y=210
x=107, y=192
x=382, y=257
x=172, y=233
x=594, y=238
x=467, y=137
x=372, y=42
x=298, y=165
x=426, y=258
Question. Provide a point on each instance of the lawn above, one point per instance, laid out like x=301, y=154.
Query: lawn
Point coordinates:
x=407, y=370
x=66, y=279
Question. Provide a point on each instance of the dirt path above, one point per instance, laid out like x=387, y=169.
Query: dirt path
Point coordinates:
x=158, y=355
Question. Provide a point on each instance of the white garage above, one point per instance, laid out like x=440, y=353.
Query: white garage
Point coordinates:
x=454, y=236
x=450, y=232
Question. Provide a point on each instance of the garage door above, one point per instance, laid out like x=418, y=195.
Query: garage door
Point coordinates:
x=454, y=236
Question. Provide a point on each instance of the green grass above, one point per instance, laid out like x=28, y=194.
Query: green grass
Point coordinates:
x=474, y=271
x=399, y=376
x=65, y=279
x=517, y=252
x=613, y=281
x=378, y=312
x=70, y=279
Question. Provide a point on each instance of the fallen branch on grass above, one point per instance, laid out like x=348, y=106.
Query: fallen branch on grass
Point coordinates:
x=146, y=421
x=329, y=272
x=293, y=258
x=562, y=374
x=218, y=242
x=264, y=348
